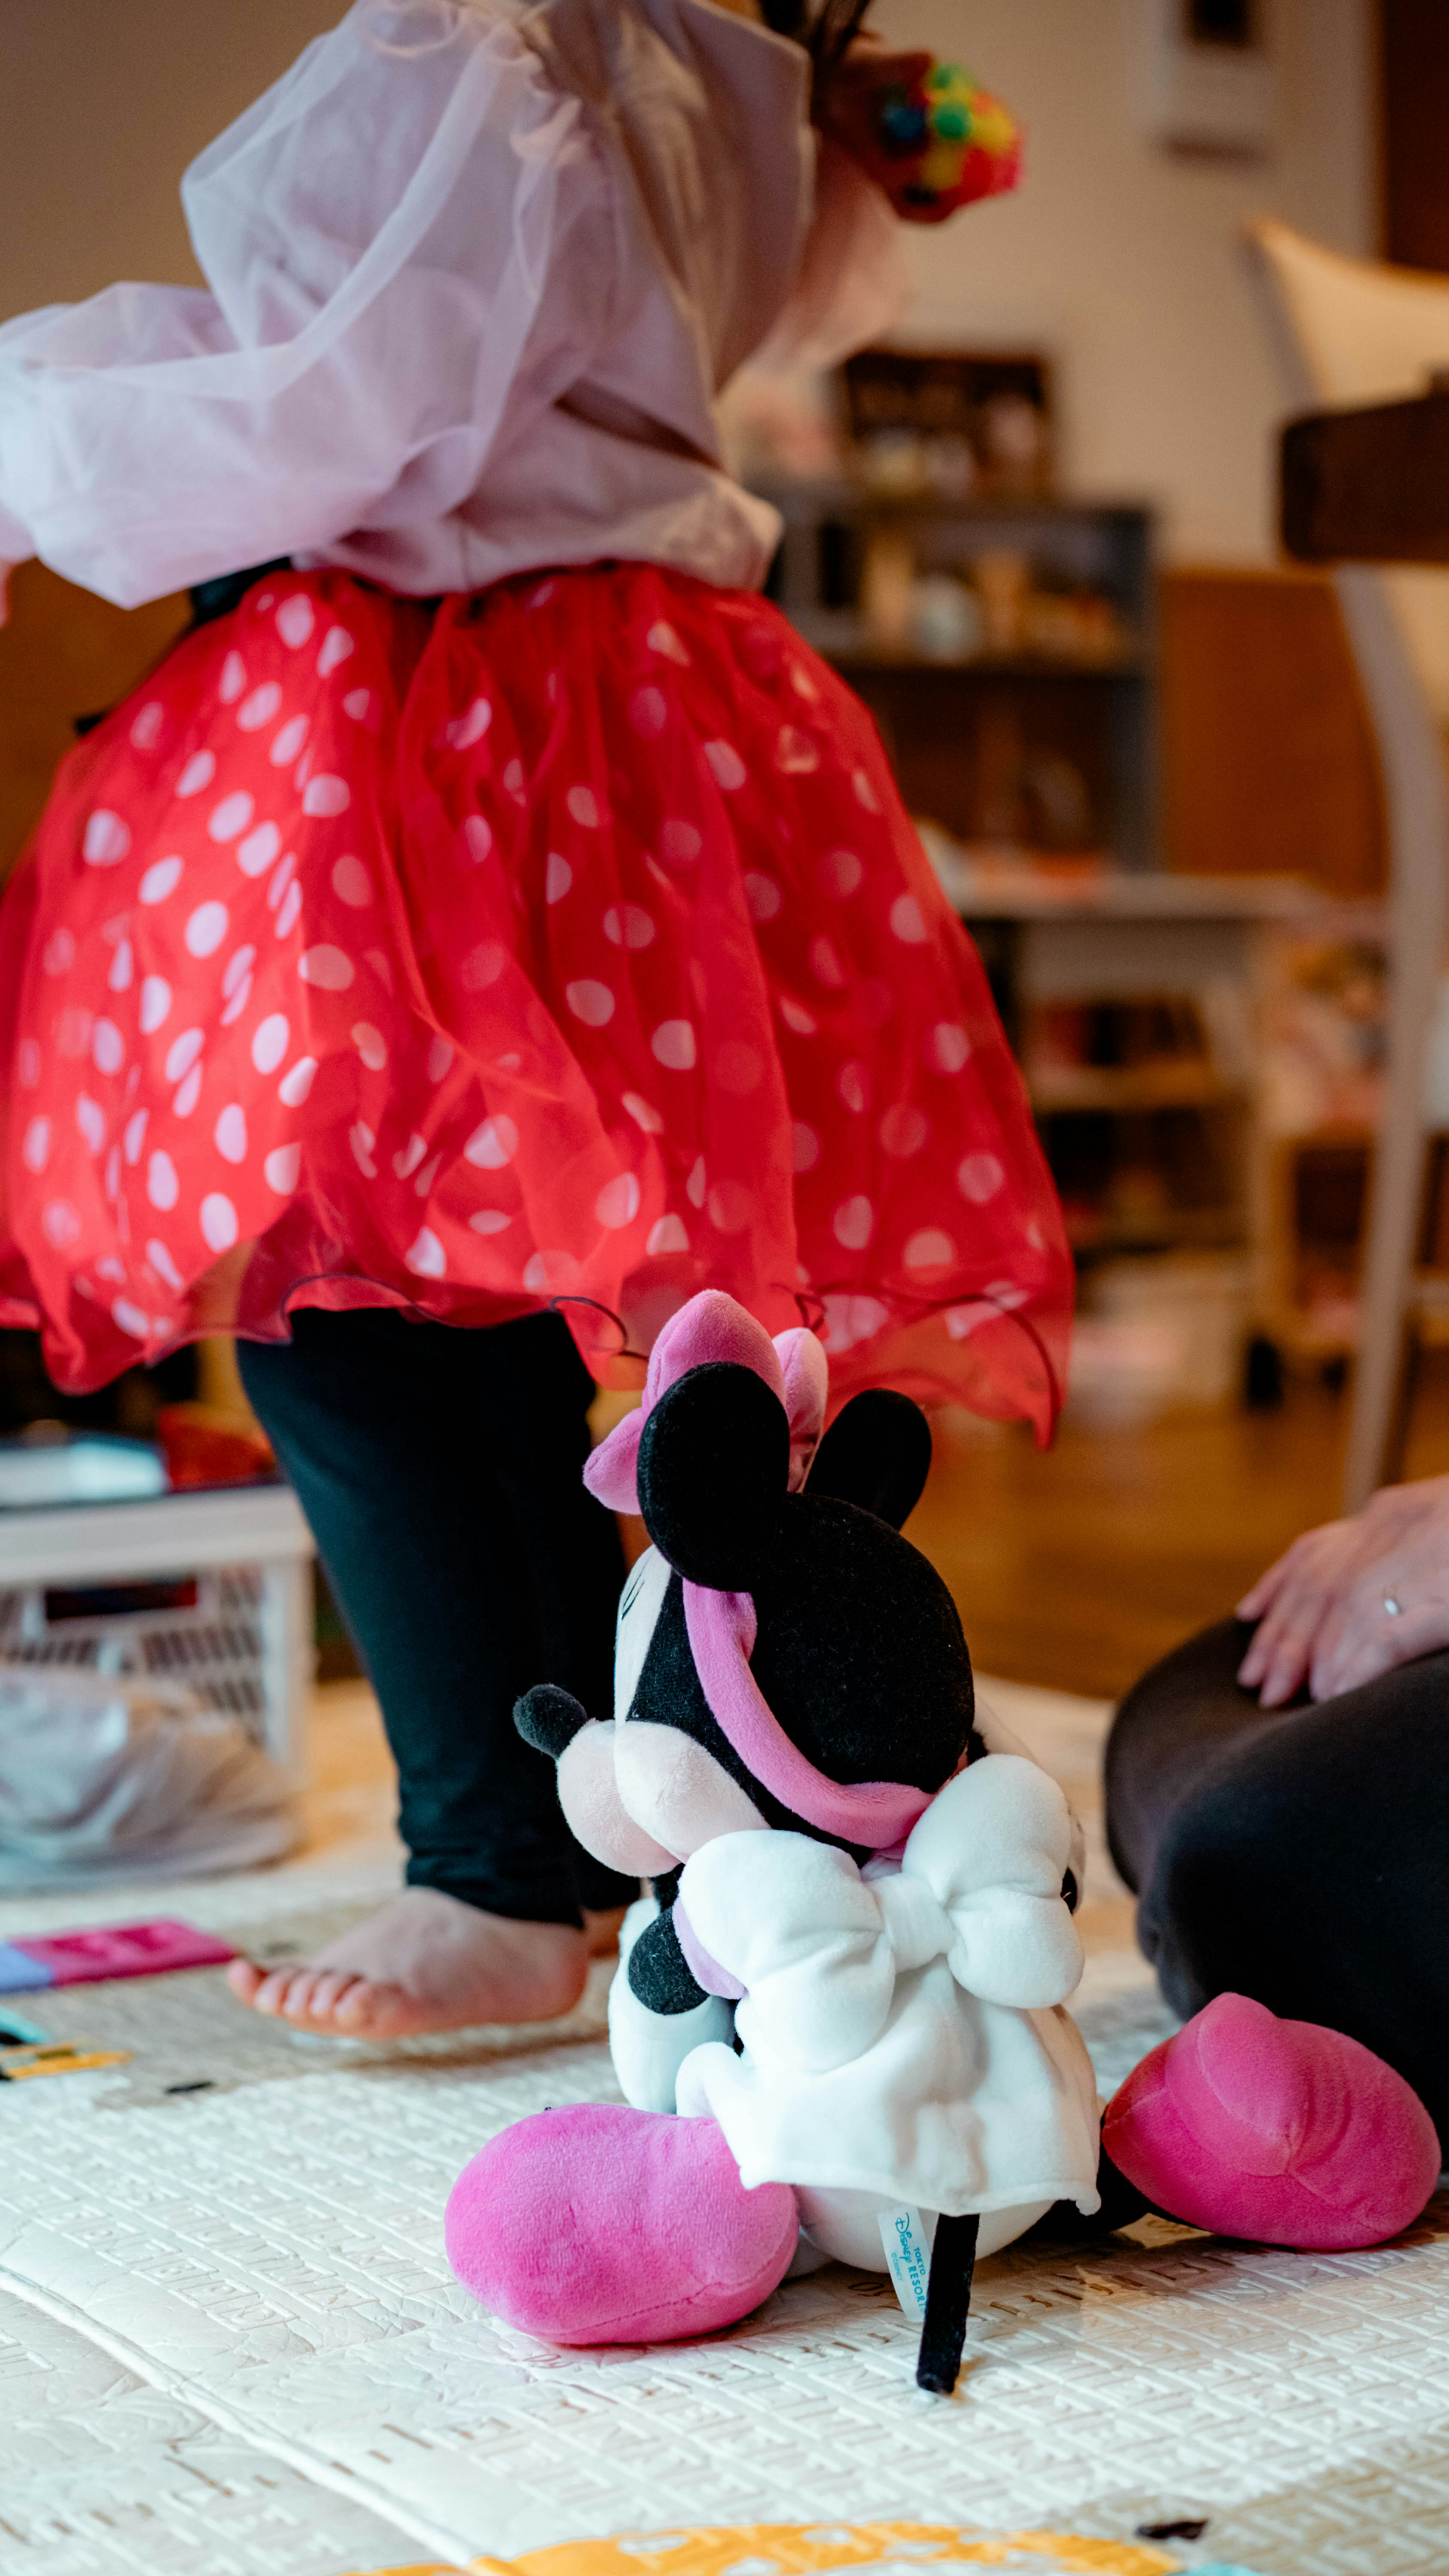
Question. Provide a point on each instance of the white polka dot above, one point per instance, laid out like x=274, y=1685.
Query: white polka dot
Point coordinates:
x=590, y=1001
x=231, y=1134
x=680, y=843
x=337, y=647
x=185, y=1099
x=162, y=1187
x=492, y=1145
x=440, y=1059
x=628, y=925
x=233, y=679
x=583, y=805
x=853, y=1224
x=135, y=1136
x=731, y=1207
x=161, y=880
x=90, y=1118
x=903, y=1131
x=795, y=752
x=326, y=795
x=470, y=727
x=669, y=1235
x=929, y=1250
x=908, y=921
x=232, y=815
x=739, y=1068
x=113, y=1191
x=850, y=1082
x=291, y=906
x=294, y=1086
x=803, y=685
x=490, y=1221
x=979, y=1178
x=618, y=1202
x=35, y=1152
x=206, y=929
x=198, y=773
x=478, y=838
x=123, y=967
x=155, y=1004
x=356, y=704
x=673, y=1044
x=130, y=1318
x=796, y=1017
x=482, y=966
x=107, y=840
x=258, y=850
x=865, y=793
x=426, y=1257
x=362, y=1141
x=288, y=744
x=281, y=1169
x=271, y=1042
x=351, y=883
x=218, y=1222
x=841, y=874
x=295, y=620
x=260, y=707
x=59, y=954
x=406, y=1163
x=237, y=969
x=825, y=964
x=950, y=1046
x=648, y=712
x=514, y=781
x=729, y=770
x=28, y=1063
x=371, y=1045
x=695, y=1186
x=807, y=1147
x=643, y=1114
x=329, y=970
x=163, y=1265
x=762, y=895
x=552, y=1274
x=182, y=1053
x=540, y=598
x=61, y=1225
x=282, y=876
x=239, y=1000
x=662, y=639
x=558, y=876
x=108, y=1047
x=147, y=730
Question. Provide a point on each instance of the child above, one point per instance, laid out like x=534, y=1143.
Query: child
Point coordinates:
x=491, y=915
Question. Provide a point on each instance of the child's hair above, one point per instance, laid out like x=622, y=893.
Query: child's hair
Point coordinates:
x=826, y=28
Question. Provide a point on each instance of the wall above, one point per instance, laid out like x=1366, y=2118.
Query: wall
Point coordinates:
x=1121, y=259
x=1116, y=257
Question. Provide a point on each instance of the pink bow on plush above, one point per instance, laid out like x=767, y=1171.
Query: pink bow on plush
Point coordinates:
x=713, y=1327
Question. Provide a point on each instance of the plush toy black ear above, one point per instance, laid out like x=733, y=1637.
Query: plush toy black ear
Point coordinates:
x=549, y=1718
x=877, y=1454
x=714, y=1467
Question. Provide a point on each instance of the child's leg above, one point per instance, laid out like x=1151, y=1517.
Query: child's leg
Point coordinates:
x=1299, y=1858
x=440, y=1471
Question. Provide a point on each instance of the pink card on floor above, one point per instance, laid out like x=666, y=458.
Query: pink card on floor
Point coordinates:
x=107, y=1950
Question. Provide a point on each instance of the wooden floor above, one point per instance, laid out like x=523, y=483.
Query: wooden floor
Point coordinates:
x=1077, y=1568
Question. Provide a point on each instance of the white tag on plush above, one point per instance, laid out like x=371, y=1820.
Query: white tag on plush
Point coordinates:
x=908, y=2258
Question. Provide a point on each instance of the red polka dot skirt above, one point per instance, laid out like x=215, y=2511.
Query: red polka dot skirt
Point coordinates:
x=566, y=943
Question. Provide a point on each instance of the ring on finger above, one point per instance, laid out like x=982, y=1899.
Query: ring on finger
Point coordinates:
x=1393, y=1609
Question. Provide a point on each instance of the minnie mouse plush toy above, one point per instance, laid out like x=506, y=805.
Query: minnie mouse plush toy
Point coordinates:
x=839, y=2019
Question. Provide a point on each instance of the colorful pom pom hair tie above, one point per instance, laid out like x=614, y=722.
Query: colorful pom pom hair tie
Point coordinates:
x=964, y=143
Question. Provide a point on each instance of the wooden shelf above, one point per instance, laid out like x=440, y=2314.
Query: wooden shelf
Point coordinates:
x=1130, y=1087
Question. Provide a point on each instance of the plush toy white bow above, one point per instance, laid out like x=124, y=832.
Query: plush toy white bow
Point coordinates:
x=818, y=1948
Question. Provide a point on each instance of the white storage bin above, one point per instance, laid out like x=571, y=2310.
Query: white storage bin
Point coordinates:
x=213, y=1589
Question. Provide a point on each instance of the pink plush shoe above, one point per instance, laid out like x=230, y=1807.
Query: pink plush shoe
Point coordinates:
x=1276, y=2130
x=596, y=2224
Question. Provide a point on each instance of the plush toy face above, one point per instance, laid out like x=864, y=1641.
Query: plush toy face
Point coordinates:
x=857, y=1669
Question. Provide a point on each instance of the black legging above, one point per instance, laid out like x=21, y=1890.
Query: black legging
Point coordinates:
x=1299, y=1856
x=440, y=1472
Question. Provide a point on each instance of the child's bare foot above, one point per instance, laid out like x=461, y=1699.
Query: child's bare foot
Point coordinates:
x=428, y=1962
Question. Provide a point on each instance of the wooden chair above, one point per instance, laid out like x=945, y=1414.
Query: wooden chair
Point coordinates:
x=1351, y=332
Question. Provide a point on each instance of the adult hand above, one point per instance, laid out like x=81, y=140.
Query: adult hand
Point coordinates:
x=1321, y=1608
x=848, y=110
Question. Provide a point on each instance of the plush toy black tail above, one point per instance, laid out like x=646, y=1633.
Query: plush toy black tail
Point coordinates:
x=948, y=2304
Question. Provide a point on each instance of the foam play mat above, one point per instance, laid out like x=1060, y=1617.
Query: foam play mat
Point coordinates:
x=230, y=2344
